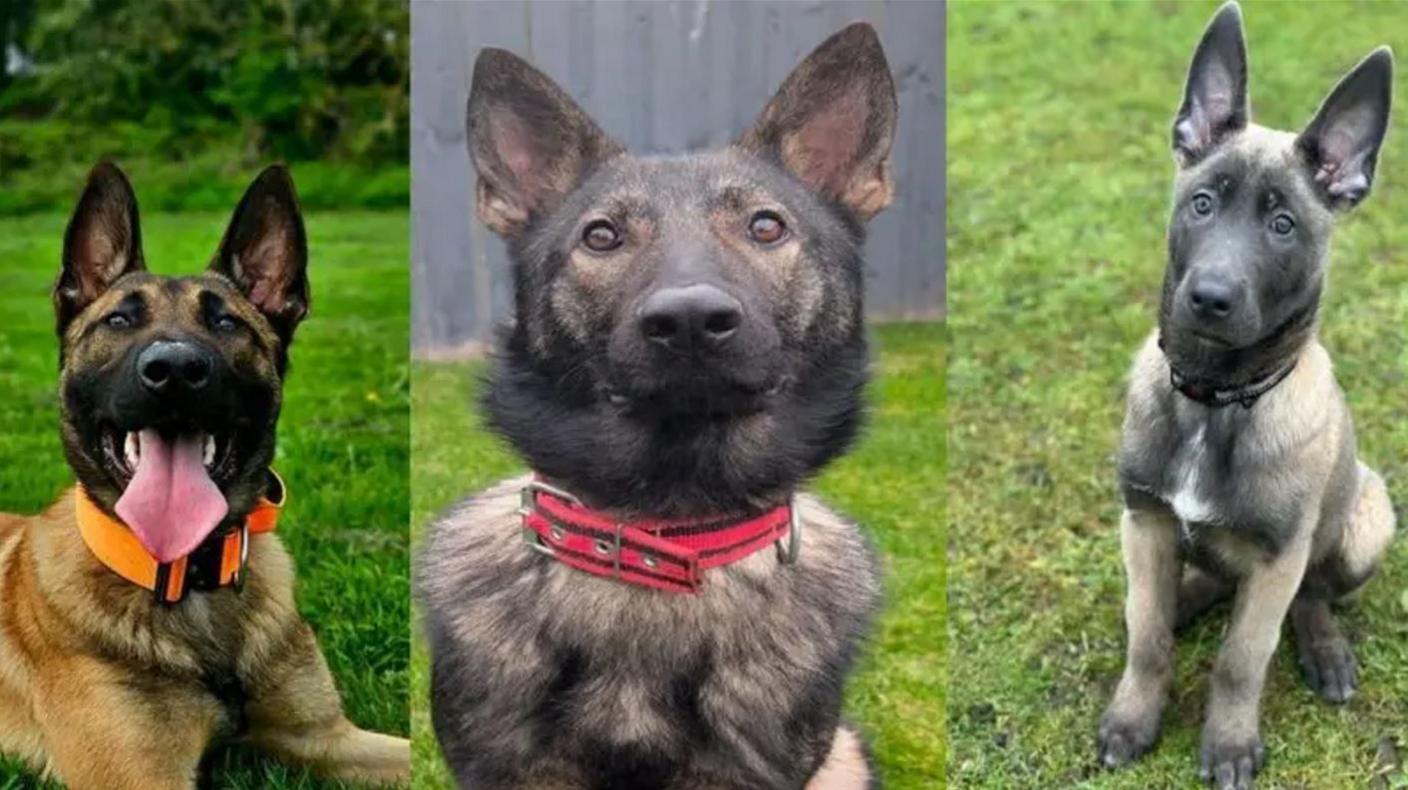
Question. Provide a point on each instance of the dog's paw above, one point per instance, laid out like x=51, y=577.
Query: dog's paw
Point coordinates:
x=1122, y=741
x=1231, y=763
x=1330, y=670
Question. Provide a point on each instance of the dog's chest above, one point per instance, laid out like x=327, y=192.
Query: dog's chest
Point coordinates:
x=1189, y=482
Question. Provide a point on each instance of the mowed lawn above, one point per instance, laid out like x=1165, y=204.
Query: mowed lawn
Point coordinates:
x=343, y=440
x=892, y=484
x=1059, y=180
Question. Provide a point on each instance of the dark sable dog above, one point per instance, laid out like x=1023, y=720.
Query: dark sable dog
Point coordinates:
x=138, y=622
x=688, y=343
x=1238, y=460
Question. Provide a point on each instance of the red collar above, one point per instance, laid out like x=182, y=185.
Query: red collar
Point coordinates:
x=663, y=554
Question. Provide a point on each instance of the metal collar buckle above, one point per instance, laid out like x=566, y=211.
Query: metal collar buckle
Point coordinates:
x=788, y=555
x=238, y=581
x=528, y=501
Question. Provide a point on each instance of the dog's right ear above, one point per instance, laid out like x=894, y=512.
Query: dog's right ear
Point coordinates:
x=102, y=243
x=531, y=144
x=1215, y=100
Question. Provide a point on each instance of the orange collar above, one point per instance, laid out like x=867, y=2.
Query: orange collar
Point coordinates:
x=217, y=562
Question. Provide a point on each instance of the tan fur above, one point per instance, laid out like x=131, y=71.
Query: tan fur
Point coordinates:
x=101, y=688
x=845, y=767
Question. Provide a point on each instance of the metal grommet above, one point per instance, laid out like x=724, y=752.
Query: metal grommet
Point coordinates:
x=602, y=547
x=649, y=560
x=555, y=533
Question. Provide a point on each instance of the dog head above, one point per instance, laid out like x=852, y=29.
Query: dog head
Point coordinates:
x=714, y=297
x=171, y=386
x=1254, y=208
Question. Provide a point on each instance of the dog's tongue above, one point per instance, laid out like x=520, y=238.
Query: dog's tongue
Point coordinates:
x=171, y=504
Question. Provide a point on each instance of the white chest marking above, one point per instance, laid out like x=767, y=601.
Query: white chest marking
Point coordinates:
x=1185, y=499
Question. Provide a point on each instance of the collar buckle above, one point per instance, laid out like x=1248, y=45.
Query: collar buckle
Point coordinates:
x=238, y=581
x=528, y=502
x=787, y=555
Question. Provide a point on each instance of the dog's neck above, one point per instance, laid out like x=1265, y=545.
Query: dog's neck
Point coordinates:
x=676, y=467
x=1221, y=377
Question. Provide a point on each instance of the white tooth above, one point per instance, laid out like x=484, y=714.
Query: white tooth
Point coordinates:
x=132, y=449
x=209, y=449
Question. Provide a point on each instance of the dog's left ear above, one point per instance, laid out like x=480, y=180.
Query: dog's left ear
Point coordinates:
x=832, y=122
x=1341, y=145
x=265, y=251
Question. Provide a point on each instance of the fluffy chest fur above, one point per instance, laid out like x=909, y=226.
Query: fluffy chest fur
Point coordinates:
x=1240, y=481
x=545, y=674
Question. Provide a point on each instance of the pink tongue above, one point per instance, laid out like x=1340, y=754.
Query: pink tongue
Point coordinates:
x=171, y=504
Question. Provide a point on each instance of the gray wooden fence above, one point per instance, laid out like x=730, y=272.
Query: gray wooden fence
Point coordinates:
x=661, y=77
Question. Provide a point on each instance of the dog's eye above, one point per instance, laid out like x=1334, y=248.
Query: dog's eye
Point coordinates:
x=118, y=321
x=1202, y=204
x=601, y=236
x=1282, y=225
x=767, y=227
x=224, y=323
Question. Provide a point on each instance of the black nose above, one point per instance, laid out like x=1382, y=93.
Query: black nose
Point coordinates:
x=1215, y=299
x=169, y=366
x=682, y=318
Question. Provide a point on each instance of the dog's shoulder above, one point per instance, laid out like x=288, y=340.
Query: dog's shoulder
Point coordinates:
x=472, y=544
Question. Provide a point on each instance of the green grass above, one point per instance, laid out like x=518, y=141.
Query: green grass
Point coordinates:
x=892, y=484
x=1059, y=175
x=343, y=439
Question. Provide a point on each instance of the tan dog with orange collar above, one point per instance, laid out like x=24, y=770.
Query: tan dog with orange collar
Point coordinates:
x=144, y=616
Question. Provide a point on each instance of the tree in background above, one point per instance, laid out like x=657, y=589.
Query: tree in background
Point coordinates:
x=16, y=17
x=289, y=79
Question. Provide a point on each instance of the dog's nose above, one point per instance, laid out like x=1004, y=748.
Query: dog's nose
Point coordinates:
x=167, y=366
x=1214, y=298
x=682, y=318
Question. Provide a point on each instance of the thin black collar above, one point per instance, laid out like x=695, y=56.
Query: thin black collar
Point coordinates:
x=1215, y=396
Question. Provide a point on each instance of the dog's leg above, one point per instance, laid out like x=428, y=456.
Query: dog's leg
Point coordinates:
x=296, y=715
x=105, y=729
x=1198, y=592
x=847, y=765
x=1131, y=723
x=1326, y=659
x=1232, y=751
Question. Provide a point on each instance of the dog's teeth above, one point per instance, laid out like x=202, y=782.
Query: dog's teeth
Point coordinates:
x=209, y=450
x=132, y=449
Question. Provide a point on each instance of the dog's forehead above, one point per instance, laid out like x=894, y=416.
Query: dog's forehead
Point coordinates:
x=689, y=180
x=1266, y=158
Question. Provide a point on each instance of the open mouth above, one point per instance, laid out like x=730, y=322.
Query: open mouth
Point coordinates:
x=122, y=450
x=170, y=499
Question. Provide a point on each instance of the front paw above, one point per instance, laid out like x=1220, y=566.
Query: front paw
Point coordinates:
x=1123, y=740
x=1231, y=763
x=1330, y=670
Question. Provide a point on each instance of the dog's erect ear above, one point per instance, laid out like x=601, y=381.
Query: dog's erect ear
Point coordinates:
x=832, y=122
x=1215, y=99
x=1341, y=145
x=102, y=243
x=265, y=251
x=531, y=144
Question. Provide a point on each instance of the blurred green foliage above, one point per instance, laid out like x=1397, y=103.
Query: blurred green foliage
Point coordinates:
x=190, y=94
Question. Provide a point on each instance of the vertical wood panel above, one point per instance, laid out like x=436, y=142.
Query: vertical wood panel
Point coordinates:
x=661, y=77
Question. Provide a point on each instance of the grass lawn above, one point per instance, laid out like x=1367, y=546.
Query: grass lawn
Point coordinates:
x=892, y=483
x=1059, y=178
x=342, y=449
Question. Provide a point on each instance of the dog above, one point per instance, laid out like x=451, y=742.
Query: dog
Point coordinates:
x=141, y=616
x=1237, y=463
x=688, y=349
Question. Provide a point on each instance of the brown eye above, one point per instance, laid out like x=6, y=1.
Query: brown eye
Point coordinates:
x=601, y=236
x=767, y=227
